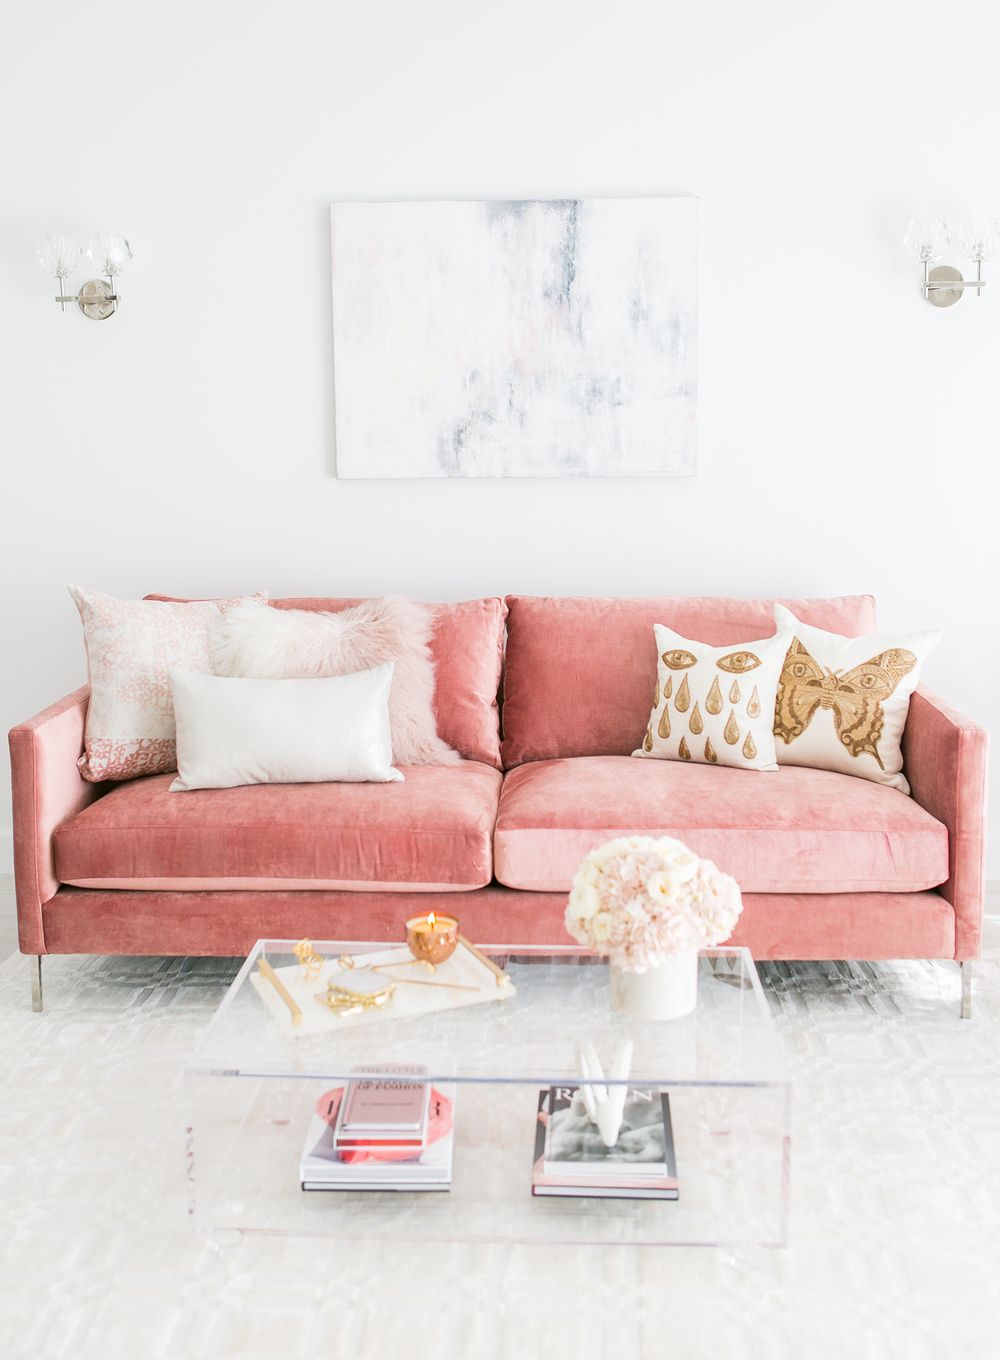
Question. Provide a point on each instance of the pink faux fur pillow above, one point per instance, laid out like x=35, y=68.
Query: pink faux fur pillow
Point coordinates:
x=258, y=642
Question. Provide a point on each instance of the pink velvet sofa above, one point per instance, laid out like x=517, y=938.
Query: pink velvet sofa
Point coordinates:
x=831, y=867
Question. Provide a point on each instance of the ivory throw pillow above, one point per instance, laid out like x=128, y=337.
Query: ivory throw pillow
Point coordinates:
x=254, y=640
x=232, y=732
x=842, y=702
x=130, y=646
x=715, y=705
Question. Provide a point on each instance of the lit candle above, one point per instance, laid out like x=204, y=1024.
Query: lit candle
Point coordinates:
x=432, y=938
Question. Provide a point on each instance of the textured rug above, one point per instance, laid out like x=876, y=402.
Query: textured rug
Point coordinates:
x=895, y=1226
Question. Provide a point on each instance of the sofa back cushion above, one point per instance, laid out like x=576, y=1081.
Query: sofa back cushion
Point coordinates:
x=580, y=671
x=467, y=649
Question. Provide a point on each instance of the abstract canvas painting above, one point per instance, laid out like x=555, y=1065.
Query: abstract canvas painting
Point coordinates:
x=515, y=338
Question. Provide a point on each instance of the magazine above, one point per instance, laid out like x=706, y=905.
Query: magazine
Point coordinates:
x=571, y=1158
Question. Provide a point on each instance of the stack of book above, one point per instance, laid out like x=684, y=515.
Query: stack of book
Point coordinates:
x=571, y=1158
x=390, y=1131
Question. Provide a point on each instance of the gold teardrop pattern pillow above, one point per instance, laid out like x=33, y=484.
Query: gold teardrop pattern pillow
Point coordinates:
x=715, y=705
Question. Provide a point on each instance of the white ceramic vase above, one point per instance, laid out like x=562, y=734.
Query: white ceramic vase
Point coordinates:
x=663, y=993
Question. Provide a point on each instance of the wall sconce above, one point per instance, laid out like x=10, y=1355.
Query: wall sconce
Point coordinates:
x=976, y=240
x=97, y=298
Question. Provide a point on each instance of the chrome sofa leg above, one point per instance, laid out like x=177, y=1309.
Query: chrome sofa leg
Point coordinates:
x=966, y=967
x=36, y=981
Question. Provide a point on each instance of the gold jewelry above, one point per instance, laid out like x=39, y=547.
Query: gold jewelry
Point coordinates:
x=356, y=998
x=346, y=961
x=312, y=963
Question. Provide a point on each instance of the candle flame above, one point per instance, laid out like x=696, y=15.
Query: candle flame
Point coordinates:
x=431, y=920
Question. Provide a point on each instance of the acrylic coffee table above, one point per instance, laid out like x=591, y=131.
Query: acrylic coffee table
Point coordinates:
x=251, y=1091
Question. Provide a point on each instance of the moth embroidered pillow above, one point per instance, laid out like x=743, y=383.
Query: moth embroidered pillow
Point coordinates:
x=715, y=705
x=842, y=702
x=130, y=646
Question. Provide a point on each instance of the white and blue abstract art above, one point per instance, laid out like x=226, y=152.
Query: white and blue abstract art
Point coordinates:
x=534, y=338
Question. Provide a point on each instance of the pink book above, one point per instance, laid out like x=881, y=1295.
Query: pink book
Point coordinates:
x=390, y=1108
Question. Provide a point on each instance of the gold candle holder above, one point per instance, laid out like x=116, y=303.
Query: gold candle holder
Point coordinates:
x=432, y=938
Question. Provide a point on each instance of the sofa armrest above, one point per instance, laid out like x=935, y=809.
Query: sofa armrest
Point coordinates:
x=945, y=761
x=47, y=790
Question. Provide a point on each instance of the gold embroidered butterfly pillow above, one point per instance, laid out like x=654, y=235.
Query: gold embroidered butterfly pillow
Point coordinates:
x=715, y=705
x=842, y=702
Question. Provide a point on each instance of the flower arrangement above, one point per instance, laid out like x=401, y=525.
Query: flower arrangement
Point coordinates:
x=638, y=899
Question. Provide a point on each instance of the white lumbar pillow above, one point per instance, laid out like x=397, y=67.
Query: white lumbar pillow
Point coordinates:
x=236, y=731
x=714, y=705
x=842, y=702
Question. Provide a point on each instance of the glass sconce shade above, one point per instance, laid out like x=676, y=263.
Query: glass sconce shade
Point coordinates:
x=926, y=239
x=110, y=254
x=58, y=255
x=979, y=239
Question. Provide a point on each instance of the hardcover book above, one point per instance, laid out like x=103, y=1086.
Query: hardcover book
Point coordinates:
x=572, y=1159
x=384, y=1109
x=378, y=1166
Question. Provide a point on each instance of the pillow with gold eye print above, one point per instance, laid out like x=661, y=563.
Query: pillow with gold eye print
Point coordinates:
x=715, y=705
x=842, y=702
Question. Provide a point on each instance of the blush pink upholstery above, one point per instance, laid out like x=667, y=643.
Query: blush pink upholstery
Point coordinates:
x=580, y=673
x=467, y=648
x=832, y=867
x=945, y=758
x=773, y=926
x=431, y=832
x=47, y=791
x=792, y=830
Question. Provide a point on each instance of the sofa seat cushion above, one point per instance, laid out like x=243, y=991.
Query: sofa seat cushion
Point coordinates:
x=793, y=830
x=433, y=832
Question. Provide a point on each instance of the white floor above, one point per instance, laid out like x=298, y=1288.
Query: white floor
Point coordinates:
x=895, y=1233
x=8, y=917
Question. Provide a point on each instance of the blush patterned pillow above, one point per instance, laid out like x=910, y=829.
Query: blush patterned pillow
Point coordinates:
x=131, y=644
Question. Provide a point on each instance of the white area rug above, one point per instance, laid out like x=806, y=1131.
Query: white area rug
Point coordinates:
x=895, y=1230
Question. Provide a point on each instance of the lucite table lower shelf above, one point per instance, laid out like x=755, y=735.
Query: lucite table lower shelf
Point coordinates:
x=251, y=1092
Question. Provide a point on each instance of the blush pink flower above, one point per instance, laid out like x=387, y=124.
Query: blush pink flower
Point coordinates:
x=639, y=898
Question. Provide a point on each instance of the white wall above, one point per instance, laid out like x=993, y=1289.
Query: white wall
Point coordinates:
x=848, y=431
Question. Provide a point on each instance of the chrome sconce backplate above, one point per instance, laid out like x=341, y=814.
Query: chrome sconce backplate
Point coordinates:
x=96, y=299
x=936, y=289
